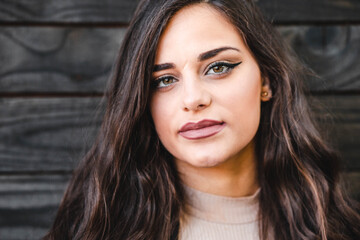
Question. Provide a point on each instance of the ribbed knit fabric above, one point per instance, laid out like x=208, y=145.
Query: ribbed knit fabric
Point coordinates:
x=210, y=217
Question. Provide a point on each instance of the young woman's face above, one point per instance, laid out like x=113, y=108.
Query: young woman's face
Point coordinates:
x=207, y=89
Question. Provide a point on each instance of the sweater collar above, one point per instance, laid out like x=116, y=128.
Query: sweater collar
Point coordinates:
x=220, y=209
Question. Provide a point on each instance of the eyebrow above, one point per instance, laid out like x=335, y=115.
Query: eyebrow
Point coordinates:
x=202, y=57
x=214, y=52
x=164, y=66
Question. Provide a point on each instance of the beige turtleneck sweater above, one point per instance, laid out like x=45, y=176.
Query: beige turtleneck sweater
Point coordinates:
x=210, y=217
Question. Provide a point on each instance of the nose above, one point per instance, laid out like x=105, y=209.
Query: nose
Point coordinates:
x=195, y=95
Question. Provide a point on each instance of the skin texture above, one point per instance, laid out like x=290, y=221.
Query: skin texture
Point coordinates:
x=195, y=90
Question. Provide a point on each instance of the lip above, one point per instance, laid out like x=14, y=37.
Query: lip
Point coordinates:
x=202, y=129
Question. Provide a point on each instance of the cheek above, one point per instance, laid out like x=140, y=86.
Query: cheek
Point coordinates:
x=162, y=114
x=242, y=93
x=241, y=101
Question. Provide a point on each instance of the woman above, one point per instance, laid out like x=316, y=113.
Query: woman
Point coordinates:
x=207, y=135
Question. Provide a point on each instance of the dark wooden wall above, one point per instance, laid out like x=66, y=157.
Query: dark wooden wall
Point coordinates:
x=55, y=59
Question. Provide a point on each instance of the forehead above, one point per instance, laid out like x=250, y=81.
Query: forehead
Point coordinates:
x=197, y=28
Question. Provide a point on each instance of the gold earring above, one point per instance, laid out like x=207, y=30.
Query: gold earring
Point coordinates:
x=264, y=94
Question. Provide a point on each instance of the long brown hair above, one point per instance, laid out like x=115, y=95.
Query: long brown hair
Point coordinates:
x=127, y=186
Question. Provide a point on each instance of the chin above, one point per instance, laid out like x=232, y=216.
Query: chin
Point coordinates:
x=204, y=161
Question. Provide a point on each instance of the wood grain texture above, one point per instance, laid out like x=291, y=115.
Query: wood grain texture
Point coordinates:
x=352, y=184
x=309, y=11
x=339, y=119
x=333, y=52
x=69, y=11
x=46, y=134
x=79, y=60
x=44, y=59
x=120, y=11
x=28, y=204
x=49, y=134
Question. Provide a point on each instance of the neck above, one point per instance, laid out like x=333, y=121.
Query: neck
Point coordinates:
x=235, y=177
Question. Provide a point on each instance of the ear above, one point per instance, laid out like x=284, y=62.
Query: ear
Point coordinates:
x=266, y=93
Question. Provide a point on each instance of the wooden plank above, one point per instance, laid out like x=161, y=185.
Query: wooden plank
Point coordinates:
x=352, y=184
x=28, y=204
x=310, y=11
x=49, y=134
x=47, y=60
x=120, y=11
x=63, y=60
x=333, y=52
x=339, y=119
x=46, y=134
x=67, y=11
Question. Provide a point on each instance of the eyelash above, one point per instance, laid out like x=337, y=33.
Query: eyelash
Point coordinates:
x=229, y=67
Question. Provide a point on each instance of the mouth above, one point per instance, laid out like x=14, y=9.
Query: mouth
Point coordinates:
x=203, y=129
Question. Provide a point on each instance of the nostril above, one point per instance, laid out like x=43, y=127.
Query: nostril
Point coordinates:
x=200, y=106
